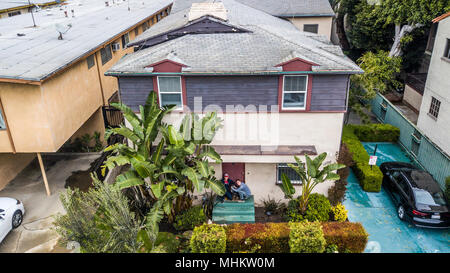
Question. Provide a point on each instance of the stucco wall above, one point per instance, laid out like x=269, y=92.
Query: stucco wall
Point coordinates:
x=323, y=130
x=412, y=97
x=325, y=24
x=11, y=165
x=261, y=179
x=438, y=86
x=94, y=124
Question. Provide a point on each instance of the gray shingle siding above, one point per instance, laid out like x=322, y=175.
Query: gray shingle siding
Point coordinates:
x=134, y=90
x=239, y=90
x=329, y=93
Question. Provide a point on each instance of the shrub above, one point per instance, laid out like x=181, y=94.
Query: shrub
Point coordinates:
x=370, y=178
x=306, y=237
x=447, y=188
x=293, y=211
x=208, y=239
x=347, y=236
x=271, y=205
x=319, y=208
x=259, y=237
x=166, y=242
x=190, y=218
x=376, y=132
x=336, y=193
x=339, y=213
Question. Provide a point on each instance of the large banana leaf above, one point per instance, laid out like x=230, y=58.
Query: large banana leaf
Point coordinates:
x=126, y=132
x=202, y=168
x=193, y=176
x=128, y=179
x=209, y=151
x=143, y=168
x=131, y=117
x=113, y=161
x=217, y=186
x=157, y=189
x=286, y=186
x=157, y=153
x=186, y=127
x=311, y=168
x=174, y=137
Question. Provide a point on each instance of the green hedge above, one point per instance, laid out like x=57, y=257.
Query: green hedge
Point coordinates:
x=275, y=237
x=208, y=238
x=306, y=237
x=347, y=236
x=376, y=132
x=370, y=178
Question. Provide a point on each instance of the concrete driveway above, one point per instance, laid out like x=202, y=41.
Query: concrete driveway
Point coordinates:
x=36, y=234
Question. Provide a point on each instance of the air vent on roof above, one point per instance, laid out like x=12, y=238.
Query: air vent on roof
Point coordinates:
x=201, y=9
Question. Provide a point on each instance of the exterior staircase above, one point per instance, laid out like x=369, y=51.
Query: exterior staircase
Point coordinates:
x=230, y=212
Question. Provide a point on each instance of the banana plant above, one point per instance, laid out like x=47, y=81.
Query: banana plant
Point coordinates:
x=166, y=164
x=311, y=176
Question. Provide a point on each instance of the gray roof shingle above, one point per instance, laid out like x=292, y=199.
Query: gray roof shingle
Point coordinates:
x=271, y=41
x=38, y=54
x=280, y=8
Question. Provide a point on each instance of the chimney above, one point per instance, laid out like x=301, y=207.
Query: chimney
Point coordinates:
x=106, y=4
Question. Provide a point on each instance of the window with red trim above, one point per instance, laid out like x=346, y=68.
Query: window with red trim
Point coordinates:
x=295, y=89
x=170, y=91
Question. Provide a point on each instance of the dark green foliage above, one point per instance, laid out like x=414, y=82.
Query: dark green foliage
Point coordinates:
x=447, y=188
x=166, y=242
x=99, y=220
x=208, y=202
x=258, y=238
x=208, y=239
x=85, y=143
x=319, y=208
x=370, y=177
x=306, y=237
x=376, y=132
x=271, y=205
x=190, y=218
x=293, y=211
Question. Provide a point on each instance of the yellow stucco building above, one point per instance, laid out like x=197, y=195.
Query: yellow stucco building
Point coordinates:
x=52, y=89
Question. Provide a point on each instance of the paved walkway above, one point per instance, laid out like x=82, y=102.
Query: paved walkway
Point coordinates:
x=377, y=213
x=36, y=234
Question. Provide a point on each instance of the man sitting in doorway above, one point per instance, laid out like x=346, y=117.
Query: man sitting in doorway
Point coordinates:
x=227, y=182
x=242, y=189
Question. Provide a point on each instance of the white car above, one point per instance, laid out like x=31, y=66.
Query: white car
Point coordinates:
x=11, y=215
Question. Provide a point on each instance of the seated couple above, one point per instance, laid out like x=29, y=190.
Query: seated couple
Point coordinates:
x=237, y=187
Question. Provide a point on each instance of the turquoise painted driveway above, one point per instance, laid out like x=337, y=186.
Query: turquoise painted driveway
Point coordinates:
x=377, y=213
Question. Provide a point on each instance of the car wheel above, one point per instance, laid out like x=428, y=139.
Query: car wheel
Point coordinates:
x=17, y=219
x=401, y=212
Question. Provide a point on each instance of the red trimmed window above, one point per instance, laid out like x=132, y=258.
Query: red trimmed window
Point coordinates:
x=170, y=91
x=294, y=92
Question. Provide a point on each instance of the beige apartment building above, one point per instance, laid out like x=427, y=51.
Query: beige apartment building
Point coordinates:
x=52, y=83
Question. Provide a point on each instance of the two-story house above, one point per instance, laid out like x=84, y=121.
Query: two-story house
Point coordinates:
x=280, y=91
x=434, y=115
x=314, y=16
x=10, y=8
x=52, y=82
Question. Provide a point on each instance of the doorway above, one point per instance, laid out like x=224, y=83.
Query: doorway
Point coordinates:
x=234, y=170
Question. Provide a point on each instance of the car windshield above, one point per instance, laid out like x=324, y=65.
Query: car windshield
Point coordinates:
x=428, y=198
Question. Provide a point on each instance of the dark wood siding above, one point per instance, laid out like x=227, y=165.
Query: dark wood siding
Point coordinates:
x=134, y=90
x=329, y=93
x=239, y=90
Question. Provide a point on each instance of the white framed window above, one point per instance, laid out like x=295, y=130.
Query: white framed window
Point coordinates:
x=434, y=108
x=170, y=91
x=294, y=92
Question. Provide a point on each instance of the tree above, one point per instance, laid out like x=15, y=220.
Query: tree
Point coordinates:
x=407, y=15
x=313, y=175
x=165, y=175
x=99, y=220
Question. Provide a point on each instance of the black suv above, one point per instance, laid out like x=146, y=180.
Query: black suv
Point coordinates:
x=418, y=197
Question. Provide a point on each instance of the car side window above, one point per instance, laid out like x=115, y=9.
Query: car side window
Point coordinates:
x=403, y=185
